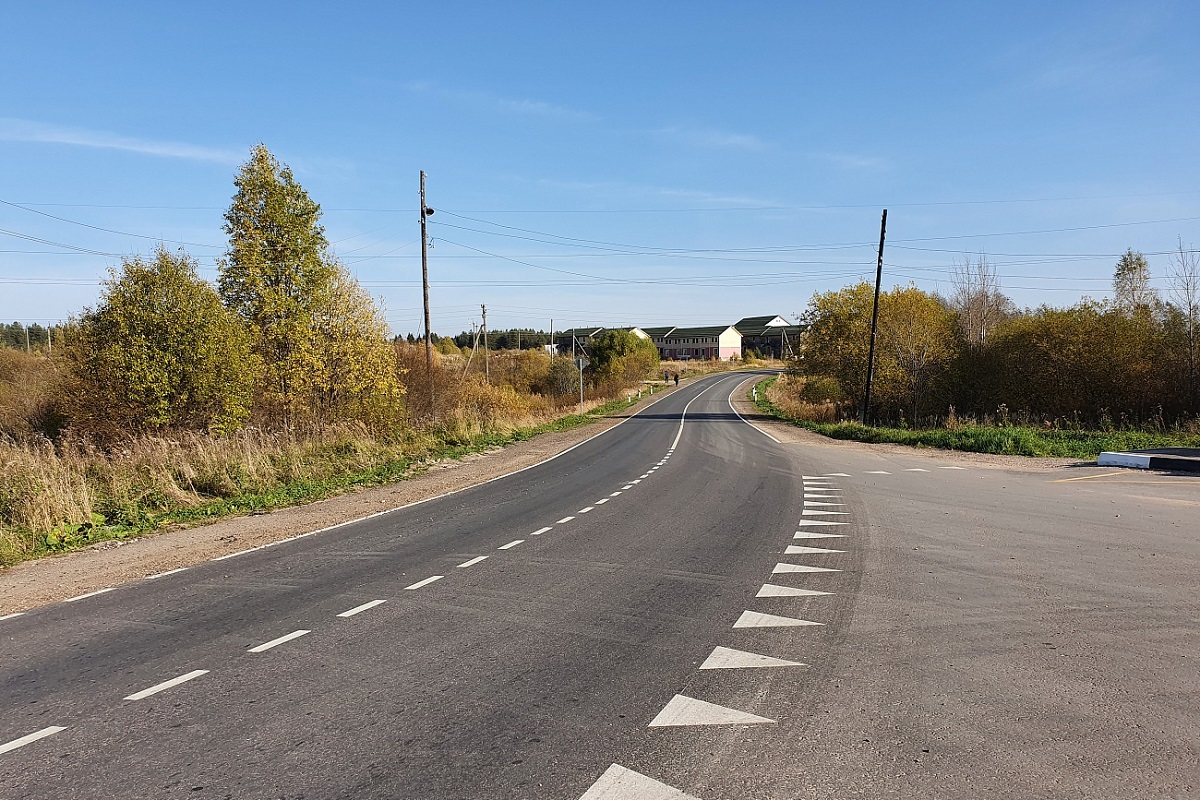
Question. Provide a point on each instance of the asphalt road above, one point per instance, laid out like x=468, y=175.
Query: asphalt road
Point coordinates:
x=625, y=621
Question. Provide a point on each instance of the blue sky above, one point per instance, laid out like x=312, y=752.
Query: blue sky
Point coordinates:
x=607, y=163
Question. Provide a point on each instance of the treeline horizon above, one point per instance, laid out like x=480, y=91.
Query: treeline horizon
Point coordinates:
x=1132, y=360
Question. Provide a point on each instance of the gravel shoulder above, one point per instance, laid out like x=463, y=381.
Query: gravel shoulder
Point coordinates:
x=54, y=578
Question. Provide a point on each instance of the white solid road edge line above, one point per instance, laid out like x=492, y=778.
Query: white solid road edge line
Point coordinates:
x=425, y=582
x=33, y=737
x=362, y=608
x=743, y=419
x=10, y=616
x=144, y=693
x=164, y=574
x=89, y=594
x=262, y=648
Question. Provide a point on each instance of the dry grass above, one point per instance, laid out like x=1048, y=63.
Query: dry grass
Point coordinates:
x=53, y=493
x=786, y=394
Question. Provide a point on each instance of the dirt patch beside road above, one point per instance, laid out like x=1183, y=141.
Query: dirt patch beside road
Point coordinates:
x=55, y=578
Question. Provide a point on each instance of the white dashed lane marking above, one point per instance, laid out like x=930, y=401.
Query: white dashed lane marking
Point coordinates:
x=916, y=469
x=510, y=545
x=877, y=472
x=585, y=510
x=837, y=475
x=795, y=550
x=819, y=522
x=816, y=512
x=626, y=488
x=160, y=687
x=755, y=619
x=728, y=658
x=265, y=646
x=683, y=710
x=781, y=568
x=472, y=562
x=360, y=609
x=564, y=520
x=614, y=494
x=540, y=531
x=31, y=738
x=425, y=582
x=951, y=467
x=771, y=590
x=819, y=503
x=601, y=502
x=815, y=535
x=619, y=783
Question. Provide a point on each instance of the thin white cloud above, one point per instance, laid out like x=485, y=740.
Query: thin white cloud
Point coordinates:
x=646, y=193
x=516, y=105
x=712, y=138
x=22, y=130
x=853, y=161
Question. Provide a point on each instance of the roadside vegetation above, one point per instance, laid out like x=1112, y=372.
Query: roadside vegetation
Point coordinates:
x=173, y=400
x=778, y=397
x=972, y=372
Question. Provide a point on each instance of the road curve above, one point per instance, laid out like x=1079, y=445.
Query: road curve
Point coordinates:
x=681, y=607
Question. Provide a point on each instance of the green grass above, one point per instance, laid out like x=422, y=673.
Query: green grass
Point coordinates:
x=997, y=439
x=136, y=519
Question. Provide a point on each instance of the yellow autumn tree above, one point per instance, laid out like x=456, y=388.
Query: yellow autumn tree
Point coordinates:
x=914, y=353
x=322, y=341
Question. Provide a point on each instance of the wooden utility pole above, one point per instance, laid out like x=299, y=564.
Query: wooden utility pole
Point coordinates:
x=27, y=350
x=425, y=212
x=487, y=373
x=874, y=321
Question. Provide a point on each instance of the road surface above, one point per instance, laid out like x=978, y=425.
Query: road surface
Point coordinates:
x=680, y=607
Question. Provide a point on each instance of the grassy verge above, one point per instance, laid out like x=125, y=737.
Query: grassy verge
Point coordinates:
x=996, y=439
x=299, y=473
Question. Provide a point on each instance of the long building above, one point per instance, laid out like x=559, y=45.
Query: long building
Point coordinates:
x=766, y=335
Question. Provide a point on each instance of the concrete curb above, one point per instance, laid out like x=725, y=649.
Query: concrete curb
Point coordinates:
x=1148, y=461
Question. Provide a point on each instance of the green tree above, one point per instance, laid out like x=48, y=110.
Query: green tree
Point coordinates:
x=323, y=344
x=621, y=357
x=160, y=351
x=1131, y=283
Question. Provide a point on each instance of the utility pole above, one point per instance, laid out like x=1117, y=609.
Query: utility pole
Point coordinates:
x=874, y=321
x=487, y=373
x=425, y=212
x=27, y=339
